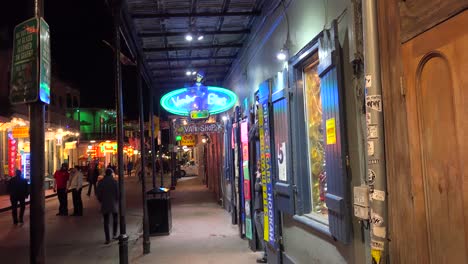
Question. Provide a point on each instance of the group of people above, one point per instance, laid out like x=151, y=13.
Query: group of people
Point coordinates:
x=106, y=191
x=69, y=180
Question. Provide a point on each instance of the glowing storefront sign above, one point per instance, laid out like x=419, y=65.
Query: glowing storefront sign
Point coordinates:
x=199, y=98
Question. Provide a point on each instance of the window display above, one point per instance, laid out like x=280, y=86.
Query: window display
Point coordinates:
x=315, y=141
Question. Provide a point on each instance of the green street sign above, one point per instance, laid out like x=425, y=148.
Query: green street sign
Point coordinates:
x=178, y=138
x=30, y=75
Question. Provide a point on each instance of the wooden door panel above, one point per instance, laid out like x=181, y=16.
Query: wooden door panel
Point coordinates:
x=435, y=66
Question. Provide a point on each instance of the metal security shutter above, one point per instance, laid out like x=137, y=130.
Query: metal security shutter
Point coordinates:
x=337, y=196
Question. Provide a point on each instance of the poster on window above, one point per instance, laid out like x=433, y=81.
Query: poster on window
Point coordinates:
x=266, y=165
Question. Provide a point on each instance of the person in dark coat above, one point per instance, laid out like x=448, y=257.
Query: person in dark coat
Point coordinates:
x=19, y=191
x=108, y=196
x=92, y=179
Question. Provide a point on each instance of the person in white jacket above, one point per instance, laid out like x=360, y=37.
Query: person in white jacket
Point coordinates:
x=75, y=184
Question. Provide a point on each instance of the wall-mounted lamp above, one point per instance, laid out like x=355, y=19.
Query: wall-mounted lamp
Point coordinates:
x=282, y=54
x=225, y=118
x=200, y=36
x=189, y=37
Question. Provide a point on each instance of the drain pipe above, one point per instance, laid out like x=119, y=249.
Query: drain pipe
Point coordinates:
x=375, y=134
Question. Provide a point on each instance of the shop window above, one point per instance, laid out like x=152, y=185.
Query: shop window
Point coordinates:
x=315, y=142
x=319, y=187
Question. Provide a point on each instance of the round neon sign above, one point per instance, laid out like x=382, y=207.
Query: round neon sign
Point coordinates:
x=213, y=99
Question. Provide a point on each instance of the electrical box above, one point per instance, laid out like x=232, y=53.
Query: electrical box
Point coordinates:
x=361, y=202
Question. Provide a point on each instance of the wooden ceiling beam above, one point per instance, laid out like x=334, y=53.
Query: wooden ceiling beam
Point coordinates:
x=195, y=67
x=234, y=45
x=172, y=34
x=192, y=58
x=199, y=14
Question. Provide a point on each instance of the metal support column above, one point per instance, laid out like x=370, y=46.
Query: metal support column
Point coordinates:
x=123, y=238
x=375, y=134
x=146, y=240
x=37, y=140
x=161, y=161
x=153, y=149
x=171, y=151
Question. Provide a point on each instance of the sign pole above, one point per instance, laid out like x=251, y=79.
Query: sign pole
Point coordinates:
x=37, y=139
x=123, y=238
x=146, y=240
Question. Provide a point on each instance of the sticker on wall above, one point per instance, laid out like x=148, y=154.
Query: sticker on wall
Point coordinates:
x=376, y=219
x=372, y=131
x=374, y=102
x=377, y=245
x=371, y=176
x=282, y=162
x=376, y=256
x=368, y=80
x=331, y=131
x=379, y=231
x=378, y=195
x=370, y=148
x=368, y=118
x=374, y=161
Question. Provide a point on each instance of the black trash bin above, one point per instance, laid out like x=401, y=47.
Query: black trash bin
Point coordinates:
x=159, y=211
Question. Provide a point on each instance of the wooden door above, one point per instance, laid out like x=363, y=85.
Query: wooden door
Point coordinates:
x=436, y=81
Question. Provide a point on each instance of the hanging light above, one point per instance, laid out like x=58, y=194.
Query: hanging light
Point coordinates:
x=200, y=37
x=194, y=72
x=189, y=36
x=282, y=55
x=188, y=72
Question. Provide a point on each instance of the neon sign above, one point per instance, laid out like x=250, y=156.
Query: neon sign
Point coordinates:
x=199, y=99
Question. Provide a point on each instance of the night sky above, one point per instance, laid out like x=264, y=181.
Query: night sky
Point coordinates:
x=79, y=55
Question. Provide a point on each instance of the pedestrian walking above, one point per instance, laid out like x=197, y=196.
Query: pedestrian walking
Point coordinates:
x=19, y=191
x=60, y=186
x=92, y=179
x=129, y=168
x=75, y=184
x=108, y=196
x=258, y=213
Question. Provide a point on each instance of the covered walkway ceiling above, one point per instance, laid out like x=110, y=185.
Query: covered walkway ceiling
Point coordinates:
x=161, y=28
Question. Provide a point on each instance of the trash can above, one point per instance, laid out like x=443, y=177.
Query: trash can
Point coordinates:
x=159, y=211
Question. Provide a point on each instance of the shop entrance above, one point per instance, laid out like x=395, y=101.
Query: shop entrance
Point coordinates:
x=435, y=65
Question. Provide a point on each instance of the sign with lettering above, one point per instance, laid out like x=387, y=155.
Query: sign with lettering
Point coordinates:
x=188, y=140
x=20, y=132
x=199, y=128
x=30, y=74
x=12, y=154
x=198, y=98
x=266, y=163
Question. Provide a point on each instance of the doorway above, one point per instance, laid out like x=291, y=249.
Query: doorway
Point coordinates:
x=435, y=64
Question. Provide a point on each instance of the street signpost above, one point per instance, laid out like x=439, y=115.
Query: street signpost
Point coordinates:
x=30, y=74
x=30, y=84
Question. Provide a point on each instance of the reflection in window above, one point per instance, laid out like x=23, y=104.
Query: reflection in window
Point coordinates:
x=315, y=142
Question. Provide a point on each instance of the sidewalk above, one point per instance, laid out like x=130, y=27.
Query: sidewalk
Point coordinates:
x=201, y=232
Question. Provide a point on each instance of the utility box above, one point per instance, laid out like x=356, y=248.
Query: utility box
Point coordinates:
x=159, y=211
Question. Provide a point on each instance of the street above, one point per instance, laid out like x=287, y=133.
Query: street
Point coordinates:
x=201, y=232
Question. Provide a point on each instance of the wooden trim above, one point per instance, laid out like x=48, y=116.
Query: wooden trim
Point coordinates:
x=403, y=245
x=418, y=16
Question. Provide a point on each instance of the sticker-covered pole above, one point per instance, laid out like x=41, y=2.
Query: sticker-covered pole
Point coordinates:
x=375, y=134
